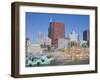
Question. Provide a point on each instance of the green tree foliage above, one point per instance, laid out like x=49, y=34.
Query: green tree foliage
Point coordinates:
x=85, y=45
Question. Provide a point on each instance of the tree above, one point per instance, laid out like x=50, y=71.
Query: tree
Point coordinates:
x=85, y=45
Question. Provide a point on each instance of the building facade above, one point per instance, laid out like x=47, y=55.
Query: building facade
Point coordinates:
x=56, y=30
x=86, y=35
x=33, y=48
x=63, y=43
x=40, y=38
x=48, y=41
x=74, y=39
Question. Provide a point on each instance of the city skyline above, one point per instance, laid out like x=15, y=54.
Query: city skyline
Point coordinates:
x=40, y=22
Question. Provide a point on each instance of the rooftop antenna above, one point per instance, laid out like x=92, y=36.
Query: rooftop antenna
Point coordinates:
x=50, y=19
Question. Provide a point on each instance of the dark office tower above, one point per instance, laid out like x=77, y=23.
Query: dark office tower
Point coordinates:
x=86, y=35
x=56, y=30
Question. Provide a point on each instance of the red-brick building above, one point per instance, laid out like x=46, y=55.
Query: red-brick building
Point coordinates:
x=55, y=31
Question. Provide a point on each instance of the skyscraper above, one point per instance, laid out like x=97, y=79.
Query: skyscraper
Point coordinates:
x=74, y=39
x=86, y=35
x=56, y=30
x=40, y=38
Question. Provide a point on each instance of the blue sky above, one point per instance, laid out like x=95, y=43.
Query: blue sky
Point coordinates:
x=39, y=22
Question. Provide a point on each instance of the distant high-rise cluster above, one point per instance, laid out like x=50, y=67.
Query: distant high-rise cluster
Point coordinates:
x=56, y=38
x=56, y=33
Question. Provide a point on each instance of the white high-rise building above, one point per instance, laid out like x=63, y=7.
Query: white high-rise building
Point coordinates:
x=40, y=38
x=73, y=37
x=48, y=41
